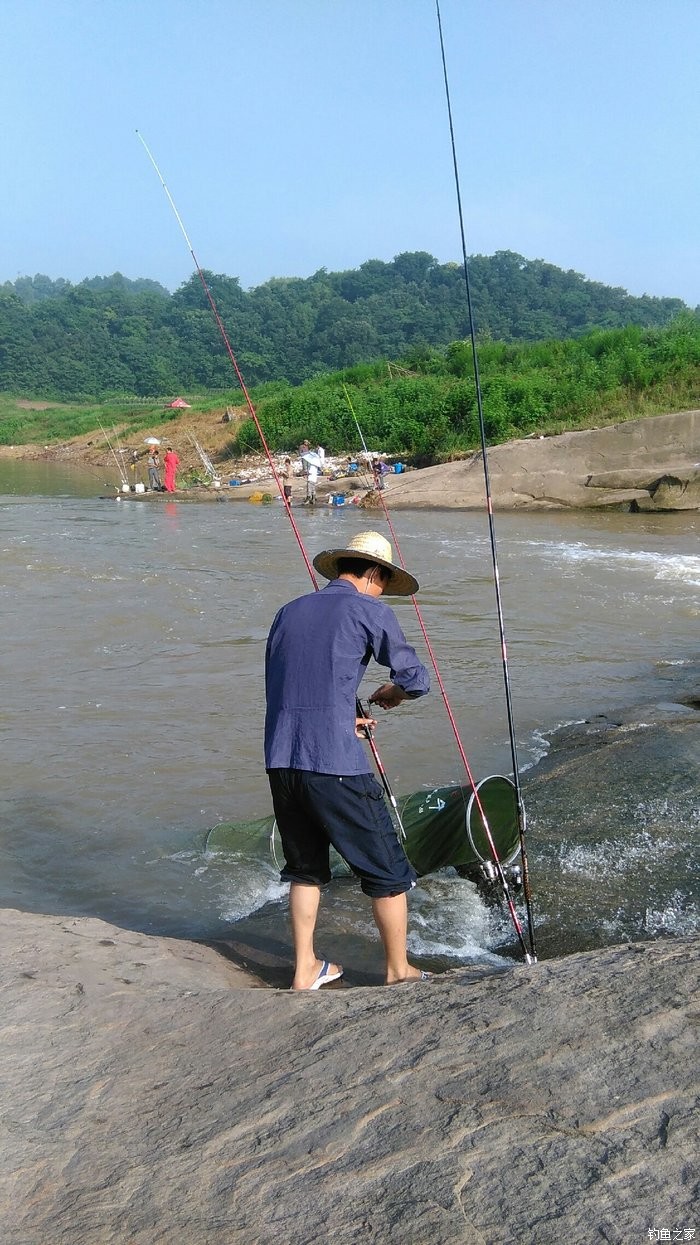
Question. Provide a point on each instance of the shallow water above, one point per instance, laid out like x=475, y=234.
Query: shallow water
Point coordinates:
x=133, y=698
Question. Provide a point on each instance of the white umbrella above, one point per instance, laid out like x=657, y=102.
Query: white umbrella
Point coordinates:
x=312, y=459
x=151, y=441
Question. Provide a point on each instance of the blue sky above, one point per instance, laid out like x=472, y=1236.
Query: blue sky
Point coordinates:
x=300, y=134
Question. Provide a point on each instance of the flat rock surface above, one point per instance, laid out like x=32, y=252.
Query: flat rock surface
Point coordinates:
x=87, y=955
x=537, y=1104
x=650, y=464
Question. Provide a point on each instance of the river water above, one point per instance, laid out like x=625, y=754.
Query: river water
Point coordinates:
x=132, y=704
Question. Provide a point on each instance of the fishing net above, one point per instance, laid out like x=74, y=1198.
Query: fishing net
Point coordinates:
x=443, y=826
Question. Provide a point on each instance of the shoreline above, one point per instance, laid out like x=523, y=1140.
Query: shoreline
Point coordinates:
x=645, y=465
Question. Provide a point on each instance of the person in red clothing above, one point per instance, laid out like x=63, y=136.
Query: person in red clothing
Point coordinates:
x=171, y=463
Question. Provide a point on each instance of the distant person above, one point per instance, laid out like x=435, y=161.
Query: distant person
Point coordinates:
x=287, y=474
x=154, y=470
x=311, y=482
x=171, y=462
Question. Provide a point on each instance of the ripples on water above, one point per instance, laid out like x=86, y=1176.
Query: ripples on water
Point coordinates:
x=133, y=704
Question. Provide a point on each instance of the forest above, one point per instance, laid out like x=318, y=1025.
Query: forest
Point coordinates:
x=110, y=336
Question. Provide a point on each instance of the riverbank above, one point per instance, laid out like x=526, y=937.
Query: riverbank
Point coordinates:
x=547, y=1102
x=640, y=465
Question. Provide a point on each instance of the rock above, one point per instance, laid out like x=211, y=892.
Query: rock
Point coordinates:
x=676, y=492
x=84, y=953
x=547, y=1103
x=643, y=464
x=613, y=826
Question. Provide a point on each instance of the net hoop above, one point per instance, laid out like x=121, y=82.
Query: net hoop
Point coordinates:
x=498, y=797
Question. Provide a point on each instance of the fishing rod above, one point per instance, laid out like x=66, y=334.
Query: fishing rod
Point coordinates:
x=362, y=713
x=204, y=458
x=529, y=955
x=368, y=732
x=368, y=456
x=489, y=505
x=120, y=465
x=357, y=425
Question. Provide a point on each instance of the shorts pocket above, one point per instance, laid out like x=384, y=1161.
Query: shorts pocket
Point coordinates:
x=364, y=785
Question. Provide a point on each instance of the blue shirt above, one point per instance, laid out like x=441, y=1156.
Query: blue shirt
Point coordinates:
x=317, y=651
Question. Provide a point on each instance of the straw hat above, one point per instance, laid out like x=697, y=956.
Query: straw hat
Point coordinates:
x=374, y=548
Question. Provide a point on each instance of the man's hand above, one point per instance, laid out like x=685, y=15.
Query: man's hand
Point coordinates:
x=362, y=725
x=388, y=696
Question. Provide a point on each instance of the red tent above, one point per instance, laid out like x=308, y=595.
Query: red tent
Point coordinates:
x=178, y=405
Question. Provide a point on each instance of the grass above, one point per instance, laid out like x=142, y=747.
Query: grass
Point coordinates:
x=428, y=415
x=27, y=421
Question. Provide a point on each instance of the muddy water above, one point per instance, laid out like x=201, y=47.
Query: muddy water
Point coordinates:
x=132, y=701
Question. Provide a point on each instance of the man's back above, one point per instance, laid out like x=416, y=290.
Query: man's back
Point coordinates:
x=317, y=651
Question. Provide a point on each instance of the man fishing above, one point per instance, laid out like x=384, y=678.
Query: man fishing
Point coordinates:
x=323, y=792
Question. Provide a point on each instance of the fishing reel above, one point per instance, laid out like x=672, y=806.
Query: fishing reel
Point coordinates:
x=498, y=801
x=485, y=878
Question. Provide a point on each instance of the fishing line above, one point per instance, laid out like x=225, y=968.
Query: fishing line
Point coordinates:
x=489, y=505
x=500, y=874
x=252, y=411
x=280, y=486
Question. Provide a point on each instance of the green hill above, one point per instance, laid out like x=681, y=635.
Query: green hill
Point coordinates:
x=109, y=336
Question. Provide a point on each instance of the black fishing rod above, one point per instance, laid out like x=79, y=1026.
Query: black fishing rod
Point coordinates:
x=489, y=507
x=498, y=870
x=367, y=730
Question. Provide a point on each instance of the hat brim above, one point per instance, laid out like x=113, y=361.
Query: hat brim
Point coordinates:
x=400, y=583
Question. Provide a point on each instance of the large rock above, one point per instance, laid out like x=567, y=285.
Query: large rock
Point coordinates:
x=613, y=821
x=547, y=1103
x=642, y=464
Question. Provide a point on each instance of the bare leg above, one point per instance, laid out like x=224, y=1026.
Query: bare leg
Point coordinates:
x=391, y=919
x=303, y=910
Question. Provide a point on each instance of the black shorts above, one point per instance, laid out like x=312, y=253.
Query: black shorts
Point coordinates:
x=314, y=811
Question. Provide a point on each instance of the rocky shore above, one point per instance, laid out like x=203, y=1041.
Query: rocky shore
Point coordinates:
x=641, y=465
x=149, y=1096
x=154, y=1091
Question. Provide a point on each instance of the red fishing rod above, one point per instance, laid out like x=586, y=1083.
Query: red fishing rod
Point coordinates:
x=489, y=503
x=368, y=732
